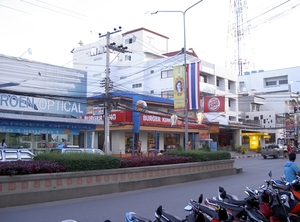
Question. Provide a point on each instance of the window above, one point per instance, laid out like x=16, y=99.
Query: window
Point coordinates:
x=229, y=103
x=283, y=82
x=130, y=40
x=152, y=71
x=271, y=83
x=127, y=58
x=228, y=85
x=218, y=82
x=204, y=79
x=167, y=94
x=138, y=85
x=167, y=73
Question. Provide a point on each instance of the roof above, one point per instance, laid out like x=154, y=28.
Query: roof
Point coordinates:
x=141, y=29
x=127, y=94
x=190, y=51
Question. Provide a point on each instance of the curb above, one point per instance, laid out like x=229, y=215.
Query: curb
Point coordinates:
x=245, y=156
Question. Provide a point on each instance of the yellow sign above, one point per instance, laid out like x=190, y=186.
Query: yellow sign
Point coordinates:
x=179, y=87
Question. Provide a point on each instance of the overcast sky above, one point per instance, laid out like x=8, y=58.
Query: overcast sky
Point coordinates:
x=53, y=28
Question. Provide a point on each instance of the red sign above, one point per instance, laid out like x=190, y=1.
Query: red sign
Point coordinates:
x=214, y=104
x=114, y=117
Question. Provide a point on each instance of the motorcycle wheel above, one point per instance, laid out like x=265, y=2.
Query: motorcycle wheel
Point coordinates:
x=294, y=218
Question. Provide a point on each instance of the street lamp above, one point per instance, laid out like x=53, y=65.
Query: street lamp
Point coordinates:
x=186, y=127
x=296, y=96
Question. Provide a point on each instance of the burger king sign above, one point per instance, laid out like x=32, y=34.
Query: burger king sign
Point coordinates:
x=214, y=104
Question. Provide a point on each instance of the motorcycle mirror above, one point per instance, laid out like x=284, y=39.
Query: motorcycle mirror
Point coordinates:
x=270, y=173
x=223, y=194
x=200, y=199
x=221, y=189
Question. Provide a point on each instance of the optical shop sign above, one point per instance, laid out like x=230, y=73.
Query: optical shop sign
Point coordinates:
x=13, y=126
x=41, y=105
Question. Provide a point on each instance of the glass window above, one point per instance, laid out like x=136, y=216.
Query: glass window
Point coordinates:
x=167, y=73
x=167, y=94
x=171, y=141
x=11, y=155
x=25, y=155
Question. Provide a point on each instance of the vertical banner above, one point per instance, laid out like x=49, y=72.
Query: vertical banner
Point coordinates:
x=179, y=88
x=193, y=86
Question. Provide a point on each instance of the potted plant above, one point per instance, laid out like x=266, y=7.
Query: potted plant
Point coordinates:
x=243, y=150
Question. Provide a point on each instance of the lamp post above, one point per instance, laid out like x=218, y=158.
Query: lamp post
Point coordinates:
x=186, y=128
x=296, y=96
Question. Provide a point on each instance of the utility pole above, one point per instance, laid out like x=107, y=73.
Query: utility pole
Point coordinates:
x=108, y=85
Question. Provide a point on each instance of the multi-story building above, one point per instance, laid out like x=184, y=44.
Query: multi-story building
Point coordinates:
x=147, y=68
x=271, y=98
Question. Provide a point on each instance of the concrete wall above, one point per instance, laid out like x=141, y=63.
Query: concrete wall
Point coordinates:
x=31, y=189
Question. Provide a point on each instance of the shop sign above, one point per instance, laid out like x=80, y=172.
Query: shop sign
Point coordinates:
x=35, y=130
x=204, y=134
x=41, y=105
x=158, y=120
x=45, y=125
x=214, y=104
x=214, y=129
x=115, y=116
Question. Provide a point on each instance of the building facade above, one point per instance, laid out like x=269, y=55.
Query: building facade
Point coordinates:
x=39, y=104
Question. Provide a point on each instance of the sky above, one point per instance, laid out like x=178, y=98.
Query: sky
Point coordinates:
x=52, y=28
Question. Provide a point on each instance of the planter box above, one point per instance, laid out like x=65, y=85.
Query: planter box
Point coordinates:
x=37, y=188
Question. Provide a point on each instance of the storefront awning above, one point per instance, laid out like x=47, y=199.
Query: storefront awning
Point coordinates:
x=14, y=123
x=216, y=117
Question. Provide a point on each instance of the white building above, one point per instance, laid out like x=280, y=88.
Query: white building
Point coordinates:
x=148, y=69
x=277, y=90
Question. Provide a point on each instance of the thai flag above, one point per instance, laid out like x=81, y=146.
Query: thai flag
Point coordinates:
x=193, y=86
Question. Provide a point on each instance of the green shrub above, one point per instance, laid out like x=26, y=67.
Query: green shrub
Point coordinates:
x=82, y=161
x=201, y=156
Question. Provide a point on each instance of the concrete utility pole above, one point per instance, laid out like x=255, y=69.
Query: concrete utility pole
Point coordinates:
x=108, y=84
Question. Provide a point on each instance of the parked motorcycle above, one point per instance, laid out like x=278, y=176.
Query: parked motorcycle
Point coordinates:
x=271, y=198
x=133, y=217
x=197, y=213
x=243, y=210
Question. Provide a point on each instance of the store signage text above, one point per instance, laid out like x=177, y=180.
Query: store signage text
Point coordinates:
x=26, y=103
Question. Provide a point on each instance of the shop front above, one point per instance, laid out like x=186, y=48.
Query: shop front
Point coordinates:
x=154, y=134
x=48, y=132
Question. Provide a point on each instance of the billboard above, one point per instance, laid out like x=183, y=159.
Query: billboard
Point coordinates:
x=39, y=87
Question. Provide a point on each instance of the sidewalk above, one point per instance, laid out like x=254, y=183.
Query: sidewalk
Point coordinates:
x=248, y=154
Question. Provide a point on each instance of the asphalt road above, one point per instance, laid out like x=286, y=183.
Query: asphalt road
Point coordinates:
x=144, y=202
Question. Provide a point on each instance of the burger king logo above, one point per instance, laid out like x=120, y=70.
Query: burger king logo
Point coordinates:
x=213, y=104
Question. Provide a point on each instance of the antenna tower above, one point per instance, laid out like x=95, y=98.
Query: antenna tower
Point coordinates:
x=238, y=37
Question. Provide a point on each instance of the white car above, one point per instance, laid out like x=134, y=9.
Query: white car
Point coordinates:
x=15, y=154
x=77, y=150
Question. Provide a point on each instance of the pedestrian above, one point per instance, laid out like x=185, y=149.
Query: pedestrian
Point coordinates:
x=288, y=149
x=291, y=170
x=3, y=145
x=285, y=151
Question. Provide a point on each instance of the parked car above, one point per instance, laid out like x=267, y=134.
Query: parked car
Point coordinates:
x=15, y=154
x=272, y=150
x=77, y=150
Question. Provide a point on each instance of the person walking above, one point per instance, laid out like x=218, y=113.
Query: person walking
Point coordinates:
x=291, y=170
x=3, y=144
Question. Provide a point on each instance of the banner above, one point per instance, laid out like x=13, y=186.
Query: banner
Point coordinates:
x=193, y=86
x=179, y=88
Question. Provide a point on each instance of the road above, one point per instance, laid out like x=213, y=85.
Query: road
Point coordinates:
x=144, y=202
